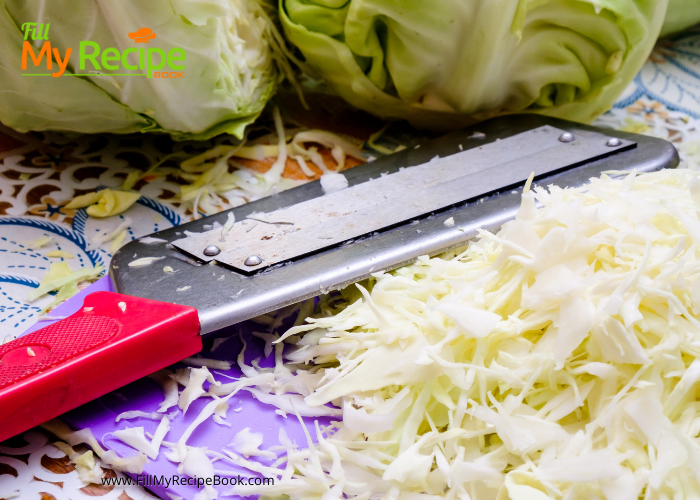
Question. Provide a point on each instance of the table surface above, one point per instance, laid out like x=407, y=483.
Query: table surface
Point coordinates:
x=40, y=173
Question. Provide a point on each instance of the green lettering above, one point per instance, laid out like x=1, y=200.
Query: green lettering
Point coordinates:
x=150, y=63
x=91, y=57
x=108, y=55
x=33, y=31
x=125, y=58
x=175, y=56
x=28, y=28
x=46, y=32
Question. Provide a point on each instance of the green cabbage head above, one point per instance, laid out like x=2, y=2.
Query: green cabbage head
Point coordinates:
x=230, y=71
x=440, y=63
x=681, y=14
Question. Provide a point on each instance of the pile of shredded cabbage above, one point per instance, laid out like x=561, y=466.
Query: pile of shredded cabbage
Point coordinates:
x=557, y=359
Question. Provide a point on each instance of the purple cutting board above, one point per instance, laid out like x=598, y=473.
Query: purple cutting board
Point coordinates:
x=145, y=395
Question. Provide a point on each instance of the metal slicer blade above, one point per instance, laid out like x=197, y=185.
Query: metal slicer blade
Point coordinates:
x=301, y=243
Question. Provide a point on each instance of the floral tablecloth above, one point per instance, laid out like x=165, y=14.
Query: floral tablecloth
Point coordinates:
x=41, y=173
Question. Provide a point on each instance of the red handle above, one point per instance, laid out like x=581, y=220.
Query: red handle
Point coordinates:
x=112, y=341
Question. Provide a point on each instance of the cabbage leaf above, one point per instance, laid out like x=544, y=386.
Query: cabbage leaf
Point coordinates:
x=232, y=67
x=448, y=62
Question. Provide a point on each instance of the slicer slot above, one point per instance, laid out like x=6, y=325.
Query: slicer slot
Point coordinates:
x=263, y=240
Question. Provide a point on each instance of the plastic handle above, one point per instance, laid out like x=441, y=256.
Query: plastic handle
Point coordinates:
x=113, y=340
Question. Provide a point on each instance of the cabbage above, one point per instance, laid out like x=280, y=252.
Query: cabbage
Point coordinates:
x=446, y=62
x=133, y=464
x=144, y=261
x=105, y=203
x=194, y=388
x=59, y=275
x=88, y=470
x=136, y=438
x=556, y=359
x=38, y=243
x=247, y=443
x=681, y=14
x=233, y=63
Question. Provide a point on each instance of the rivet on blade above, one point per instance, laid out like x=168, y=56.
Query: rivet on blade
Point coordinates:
x=212, y=250
x=613, y=142
x=253, y=260
x=566, y=137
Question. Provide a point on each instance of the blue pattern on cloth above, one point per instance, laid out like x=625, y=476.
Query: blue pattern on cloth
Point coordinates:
x=671, y=76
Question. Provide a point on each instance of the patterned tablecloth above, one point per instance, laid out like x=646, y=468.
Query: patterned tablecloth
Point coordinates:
x=40, y=173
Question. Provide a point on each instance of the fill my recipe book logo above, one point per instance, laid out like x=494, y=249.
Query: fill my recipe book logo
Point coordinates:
x=151, y=62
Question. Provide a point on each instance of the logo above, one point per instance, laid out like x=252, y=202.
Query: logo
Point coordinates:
x=144, y=35
x=151, y=62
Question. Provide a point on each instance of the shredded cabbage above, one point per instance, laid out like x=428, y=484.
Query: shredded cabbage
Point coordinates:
x=169, y=387
x=248, y=443
x=136, y=438
x=114, y=234
x=64, y=293
x=105, y=203
x=59, y=254
x=219, y=177
x=209, y=363
x=150, y=240
x=558, y=358
x=133, y=464
x=117, y=242
x=60, y=275
x=193, y=389
x=144, y=261
x=39, y=242
x=332, y=182
x=230, y=220
x=88, y=470
x=127, y=415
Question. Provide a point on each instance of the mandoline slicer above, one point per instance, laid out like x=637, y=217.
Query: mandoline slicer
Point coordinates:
x=295, y=245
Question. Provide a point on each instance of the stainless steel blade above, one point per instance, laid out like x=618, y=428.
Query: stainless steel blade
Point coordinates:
x=224, y=295
x=322, y=222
